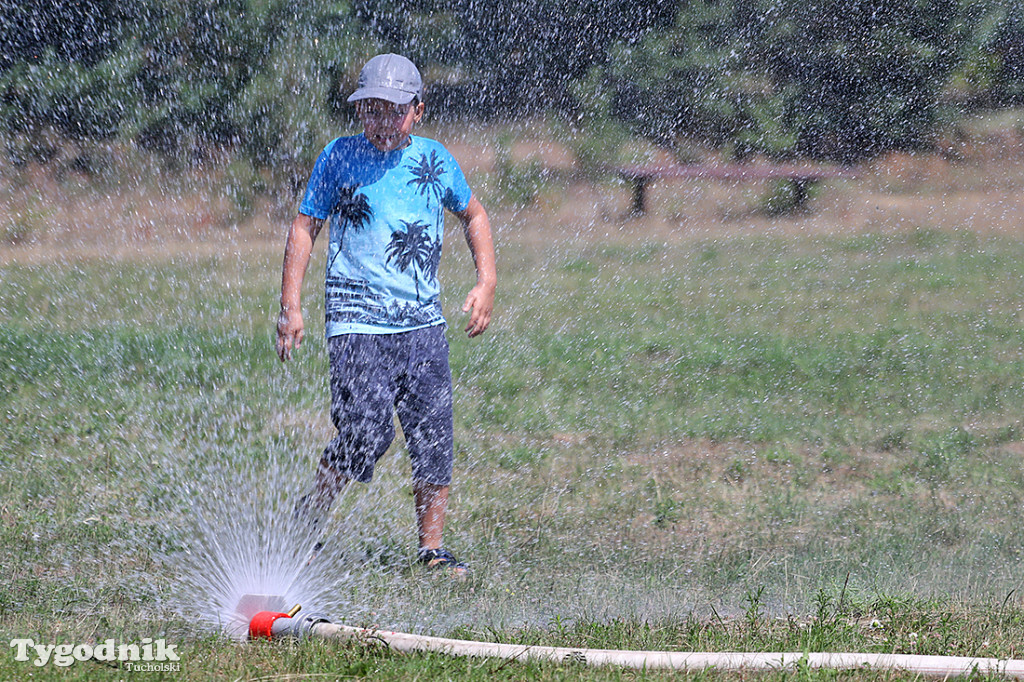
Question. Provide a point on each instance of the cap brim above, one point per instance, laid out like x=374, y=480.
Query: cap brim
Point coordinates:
x=389, y=94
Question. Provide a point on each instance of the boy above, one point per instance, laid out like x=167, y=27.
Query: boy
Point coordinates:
x=383, y=194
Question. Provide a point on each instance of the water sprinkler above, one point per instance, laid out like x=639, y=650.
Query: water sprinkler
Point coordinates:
x=284, y=625
x=267, y=621
x=262, y=624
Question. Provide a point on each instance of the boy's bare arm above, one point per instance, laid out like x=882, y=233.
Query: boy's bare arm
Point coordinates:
x=480, y=301
x=290, y=328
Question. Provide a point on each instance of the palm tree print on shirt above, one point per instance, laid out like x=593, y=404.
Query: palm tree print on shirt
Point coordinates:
x=414, y=248
x=426, y=177
x=352, y=210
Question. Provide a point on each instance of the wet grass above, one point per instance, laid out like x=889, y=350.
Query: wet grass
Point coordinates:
x=826, y=340
x=754, y=443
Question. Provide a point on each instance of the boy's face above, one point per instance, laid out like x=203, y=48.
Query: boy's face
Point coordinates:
x=387, y=125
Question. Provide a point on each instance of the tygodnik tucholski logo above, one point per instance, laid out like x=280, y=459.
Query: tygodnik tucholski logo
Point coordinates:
x=149, y=655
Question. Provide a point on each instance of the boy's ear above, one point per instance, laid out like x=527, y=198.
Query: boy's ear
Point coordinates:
x=418, y=111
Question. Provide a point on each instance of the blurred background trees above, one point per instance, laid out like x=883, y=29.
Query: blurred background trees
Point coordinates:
x=264, y=81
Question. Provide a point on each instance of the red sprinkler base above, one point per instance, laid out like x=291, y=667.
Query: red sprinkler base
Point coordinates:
x=262, y=624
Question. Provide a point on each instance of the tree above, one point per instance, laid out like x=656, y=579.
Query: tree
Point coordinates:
x=66, y=68
x=866, y=75
x=697, y=80
x=200, y=56
x=293, y=104
x=181, y=77
x=991, y=68
x=507, y=58
x=839, y=80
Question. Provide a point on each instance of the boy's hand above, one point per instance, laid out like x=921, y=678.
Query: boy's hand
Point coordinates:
x=480, y=304
x=289, y=333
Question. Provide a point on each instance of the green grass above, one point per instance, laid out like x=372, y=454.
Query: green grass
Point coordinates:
x=760, y=340
x=755, y=443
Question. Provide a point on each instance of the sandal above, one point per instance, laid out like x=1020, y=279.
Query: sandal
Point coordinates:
x=441, y=559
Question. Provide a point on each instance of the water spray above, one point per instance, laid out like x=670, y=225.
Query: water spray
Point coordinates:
x=269, y=624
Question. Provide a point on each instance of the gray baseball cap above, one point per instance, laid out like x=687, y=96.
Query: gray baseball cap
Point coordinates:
x=390, y=77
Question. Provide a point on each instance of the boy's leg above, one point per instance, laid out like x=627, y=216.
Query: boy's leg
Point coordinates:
x=312, y=508
x=431, y=506
x=314, y=505
x=425, y=412
x=362, y=396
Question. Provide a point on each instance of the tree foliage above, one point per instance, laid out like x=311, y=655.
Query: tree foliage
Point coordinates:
x=67, y=67
x=182, y=77
x=835, y=79
x=865, y=75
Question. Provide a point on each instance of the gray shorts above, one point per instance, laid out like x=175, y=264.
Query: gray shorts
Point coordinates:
x=373, y=376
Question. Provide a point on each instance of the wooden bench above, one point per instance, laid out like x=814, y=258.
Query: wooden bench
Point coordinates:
x=801, y=175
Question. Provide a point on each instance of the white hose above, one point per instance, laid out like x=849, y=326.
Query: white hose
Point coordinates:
x=939, y=666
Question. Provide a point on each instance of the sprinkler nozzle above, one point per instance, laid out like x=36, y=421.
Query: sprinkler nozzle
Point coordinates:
x=273, y=625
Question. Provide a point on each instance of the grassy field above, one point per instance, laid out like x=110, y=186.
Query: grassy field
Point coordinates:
x=700, y=430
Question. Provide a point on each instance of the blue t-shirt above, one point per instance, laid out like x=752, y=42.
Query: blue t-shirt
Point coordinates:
x=385, y=212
